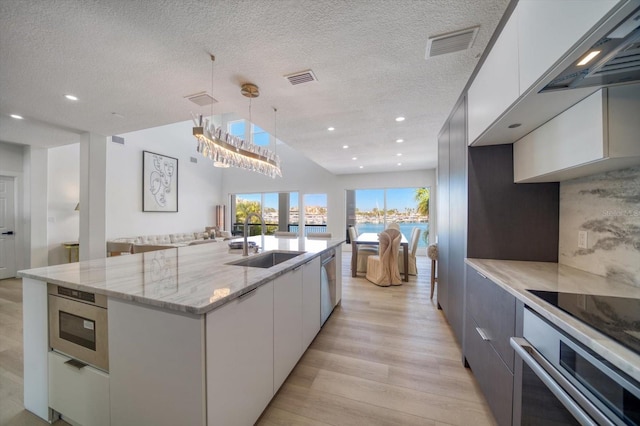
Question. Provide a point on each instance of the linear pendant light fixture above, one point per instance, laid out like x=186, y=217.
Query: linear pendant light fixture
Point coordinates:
x=226, y=150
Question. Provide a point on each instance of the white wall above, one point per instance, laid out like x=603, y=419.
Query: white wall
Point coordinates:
x=63, y=195
x=11, y=157
x=35, y=165
x=199, y=184
x=303, y=175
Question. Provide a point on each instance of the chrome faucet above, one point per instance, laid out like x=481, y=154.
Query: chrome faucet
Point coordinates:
x=245, y=245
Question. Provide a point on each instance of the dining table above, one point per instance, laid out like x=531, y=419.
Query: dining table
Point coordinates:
x=371, y=238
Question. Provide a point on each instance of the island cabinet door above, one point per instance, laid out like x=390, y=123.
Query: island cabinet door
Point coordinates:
x=287, y=324
x=310, y=302
x=240, y=359
x=156, y=366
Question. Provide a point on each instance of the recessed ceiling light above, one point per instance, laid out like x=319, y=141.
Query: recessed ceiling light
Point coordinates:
x=331, y=129
x=16, y=116
x=71, y=97
x=399, y=118
x=399, y=164
x=362, y=167
x=399, y=154
x=399, y=140
x=345, y=146
x=354, y=158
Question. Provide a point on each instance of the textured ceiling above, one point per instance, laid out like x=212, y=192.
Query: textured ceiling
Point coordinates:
x=139, y=58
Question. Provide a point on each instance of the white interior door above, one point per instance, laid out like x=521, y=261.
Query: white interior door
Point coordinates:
x=7, y=228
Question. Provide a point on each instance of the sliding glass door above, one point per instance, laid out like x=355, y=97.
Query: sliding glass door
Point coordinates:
x=372, y=210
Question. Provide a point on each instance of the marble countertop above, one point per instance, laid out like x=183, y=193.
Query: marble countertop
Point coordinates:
x=192, y=279
x=517, y=277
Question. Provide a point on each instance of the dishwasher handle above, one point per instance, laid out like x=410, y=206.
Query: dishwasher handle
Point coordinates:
x=577, y=404
x=328, y=259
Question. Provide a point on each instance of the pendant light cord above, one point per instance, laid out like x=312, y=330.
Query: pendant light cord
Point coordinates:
x=213, y=60
x=275, y=130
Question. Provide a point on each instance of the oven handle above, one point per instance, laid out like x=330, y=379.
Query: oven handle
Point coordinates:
x=581, y=408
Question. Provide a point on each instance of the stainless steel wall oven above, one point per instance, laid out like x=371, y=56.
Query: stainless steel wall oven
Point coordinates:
x=564, y=382
x=78, y=326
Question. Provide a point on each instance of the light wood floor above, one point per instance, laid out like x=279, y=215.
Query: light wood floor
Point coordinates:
x=386, y=356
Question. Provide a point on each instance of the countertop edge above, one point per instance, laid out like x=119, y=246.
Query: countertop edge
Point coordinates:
x=618, y=355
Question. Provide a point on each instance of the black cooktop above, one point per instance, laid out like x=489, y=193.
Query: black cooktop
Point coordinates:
x=617, y=317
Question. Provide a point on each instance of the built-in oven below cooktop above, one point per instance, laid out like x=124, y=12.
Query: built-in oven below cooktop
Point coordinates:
x=617, y=317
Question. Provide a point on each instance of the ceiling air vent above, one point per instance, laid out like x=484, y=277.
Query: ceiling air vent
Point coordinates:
x=301, y=77
x=201, y=99
x=451, y=42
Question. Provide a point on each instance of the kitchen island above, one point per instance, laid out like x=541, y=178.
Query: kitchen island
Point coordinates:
x=191, y=339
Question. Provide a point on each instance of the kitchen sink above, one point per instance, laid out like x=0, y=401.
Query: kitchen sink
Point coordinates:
x=266, y=259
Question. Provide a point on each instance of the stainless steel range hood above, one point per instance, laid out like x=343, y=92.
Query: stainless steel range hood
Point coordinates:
x=614, y=59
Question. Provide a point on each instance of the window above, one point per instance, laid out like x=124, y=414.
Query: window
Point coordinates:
x=268, y=205
x=371, y=210
x=315, y=213
x=238, y=128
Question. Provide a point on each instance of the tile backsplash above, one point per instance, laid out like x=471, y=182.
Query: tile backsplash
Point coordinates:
x=607, y=207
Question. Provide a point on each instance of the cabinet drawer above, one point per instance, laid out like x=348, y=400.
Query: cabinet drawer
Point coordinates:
x=493, y=310
x=493, y=375
x=81, y=395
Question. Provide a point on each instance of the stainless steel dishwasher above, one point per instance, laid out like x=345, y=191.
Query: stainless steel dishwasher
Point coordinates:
x=327, y=284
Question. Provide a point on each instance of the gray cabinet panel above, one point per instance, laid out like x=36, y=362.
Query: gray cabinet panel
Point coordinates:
x=493, y=310
x=443, y=219
x=457, y=218
x=492, y=374
x=507, y=220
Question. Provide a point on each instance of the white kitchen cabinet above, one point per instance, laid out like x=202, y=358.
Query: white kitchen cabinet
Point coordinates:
x=598, y=134
x=496, y=86
x=287, y=324
x=79, y=394
x=537, y=35
x=240, y=358
x=547, y=29
x=310, y=301
x=156, y=366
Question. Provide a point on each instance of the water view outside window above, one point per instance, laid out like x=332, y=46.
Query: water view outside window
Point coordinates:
x=371, y=210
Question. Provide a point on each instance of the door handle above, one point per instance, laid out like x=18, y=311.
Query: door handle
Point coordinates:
x=76, y=364
x=483, y=334
x=8, y=233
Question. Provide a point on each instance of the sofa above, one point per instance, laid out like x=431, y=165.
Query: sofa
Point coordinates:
x=125, y=245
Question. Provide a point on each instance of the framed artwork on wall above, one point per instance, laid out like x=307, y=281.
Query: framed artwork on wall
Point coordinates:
x=159, y=183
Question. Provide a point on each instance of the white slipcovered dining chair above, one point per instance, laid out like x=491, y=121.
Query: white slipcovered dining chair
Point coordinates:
x=383, y=270
x=394, y=225
x=364, y=251
x=413, y=248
